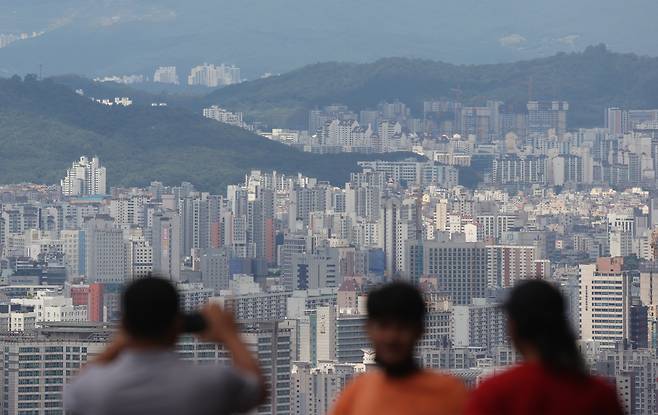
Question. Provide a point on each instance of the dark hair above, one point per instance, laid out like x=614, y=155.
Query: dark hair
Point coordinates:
x=150, y=307
x=397, y=301
x=537, y=311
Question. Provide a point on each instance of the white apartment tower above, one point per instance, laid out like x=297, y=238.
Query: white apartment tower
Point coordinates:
x=212, y=76
x=166, y=75
x=85, y=177
x=604, y=302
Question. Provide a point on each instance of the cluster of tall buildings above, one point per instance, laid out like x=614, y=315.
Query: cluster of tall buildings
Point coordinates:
x=511, y=150
x=393, y=126
x=166, y=75
x=294, y=257
x=213, y=76
x=620, y=121
x=85, y=178
x=209, y=75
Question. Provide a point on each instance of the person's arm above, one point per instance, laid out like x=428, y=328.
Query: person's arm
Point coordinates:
x=223, y=330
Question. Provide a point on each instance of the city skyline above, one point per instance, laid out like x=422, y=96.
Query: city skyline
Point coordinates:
x=292, y=170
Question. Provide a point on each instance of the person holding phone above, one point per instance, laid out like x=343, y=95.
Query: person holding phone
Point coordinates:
x=140, y=373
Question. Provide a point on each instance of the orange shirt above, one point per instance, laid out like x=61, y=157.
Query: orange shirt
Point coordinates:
x=423, y=393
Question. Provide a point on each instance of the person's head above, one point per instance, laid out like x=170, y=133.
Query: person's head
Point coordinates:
x=538, y=326
x=396, y=319
x=151, y=313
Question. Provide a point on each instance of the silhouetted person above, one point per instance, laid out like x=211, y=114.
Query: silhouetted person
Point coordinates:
x=396, y=320
x=553, y=379
x=140, y=373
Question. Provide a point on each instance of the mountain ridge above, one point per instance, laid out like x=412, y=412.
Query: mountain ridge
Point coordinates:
x=44, y=127
x=589, y=80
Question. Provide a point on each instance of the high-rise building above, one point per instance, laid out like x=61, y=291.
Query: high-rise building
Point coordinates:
x=318, y=270
x=271, y=344
x=412, y=172
x=215, y=268
x=292, y=244
x=649, y=284
x=398, y=226
x=512, y=169
x=508, y=264
x=73, y=247
x=636, y=118
x=460, y=267
x=166, y=75
x=91, y=296
x=129, y=211
x=634, y=373
x=105, y=256
x=260, y=220
x=85, y=177
x=315, y=388
x=621, y=231
x=139, y=258
x=255, y=306
x=351, y=338
x=195, y=224
x=213, y=76
x=479, y=324
x=166, y=243
x=17, y=318
x=616, y=121
x=483, y=122
x=193, y=296
x=39, y=365
x=547, y=115
x=605, y=297
x=325, y=333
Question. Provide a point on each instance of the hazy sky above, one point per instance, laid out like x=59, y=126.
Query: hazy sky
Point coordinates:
x=124, y=36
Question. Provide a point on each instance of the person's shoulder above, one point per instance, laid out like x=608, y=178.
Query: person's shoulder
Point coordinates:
x=367, y=378
x=92, y=382
x=441, y=377
x=601, y=384
x=507, y=377
x=442, y=380
x=606, y=394
x=494, y=389
x=89, y=374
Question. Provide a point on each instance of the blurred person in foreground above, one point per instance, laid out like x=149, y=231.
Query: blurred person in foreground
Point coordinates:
x=553, y=378
x=140, y=373
x=396, y=320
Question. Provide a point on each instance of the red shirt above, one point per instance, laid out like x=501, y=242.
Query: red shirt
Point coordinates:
x=531, y=389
